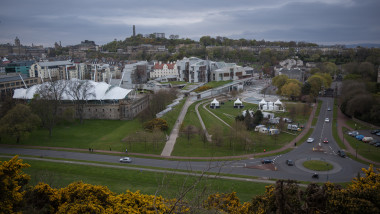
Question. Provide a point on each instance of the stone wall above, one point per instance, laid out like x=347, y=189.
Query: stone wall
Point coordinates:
x=124, y=110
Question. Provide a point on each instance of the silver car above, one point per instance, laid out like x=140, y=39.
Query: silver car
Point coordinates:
x=125, y=160
x=310, y=140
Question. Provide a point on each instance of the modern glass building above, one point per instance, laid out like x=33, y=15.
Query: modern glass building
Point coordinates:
x=19, y=67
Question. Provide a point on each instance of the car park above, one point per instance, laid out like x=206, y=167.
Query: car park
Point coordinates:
x=265, y=161
x=341, y=153
x=325, y=140
x=378, y=134
x=125, y=160
x=289, y=162
x=310, y=140
x=327, y=120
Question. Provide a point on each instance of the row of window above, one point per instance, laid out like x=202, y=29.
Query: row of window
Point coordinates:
x=12, y=84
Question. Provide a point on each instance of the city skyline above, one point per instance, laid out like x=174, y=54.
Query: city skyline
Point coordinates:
x=318, y=21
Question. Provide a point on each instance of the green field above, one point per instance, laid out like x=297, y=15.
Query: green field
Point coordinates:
x=119, y=180
x=215, y=84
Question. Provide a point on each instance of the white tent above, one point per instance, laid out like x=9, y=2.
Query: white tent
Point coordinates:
x=237, y=102
x=215, y=103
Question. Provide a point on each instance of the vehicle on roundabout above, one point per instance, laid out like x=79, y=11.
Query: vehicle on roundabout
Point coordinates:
x=310, y=140
x=315, y=175
x=265, y=161
x=341, y=153
x=289, y=162
x=325, y=140
x=125, y=160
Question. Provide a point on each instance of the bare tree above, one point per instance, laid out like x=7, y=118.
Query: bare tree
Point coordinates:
x=80, y=91
x=189, y=131
x=46, y=102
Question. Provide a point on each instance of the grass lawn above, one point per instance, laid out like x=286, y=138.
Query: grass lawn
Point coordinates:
x=119, y=180
x=97, y=134
x=171, y=116
x=317, y=165
x=227, y=112
x=318, y=107
x=335, y=126
x=195, y=147
x=175, y=82
x=364, y=149
x=215, y=84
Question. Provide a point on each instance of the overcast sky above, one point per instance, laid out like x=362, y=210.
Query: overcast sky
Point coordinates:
x=44, y=22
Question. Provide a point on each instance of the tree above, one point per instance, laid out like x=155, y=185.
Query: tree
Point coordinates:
x=291, y=90
x=279, y=81
x=12, y=180
x=19, y=122
x=158, y=123
x=217, y=135
x=189, y=131
x=257, y=117
x=80, y=91
x=46, y=101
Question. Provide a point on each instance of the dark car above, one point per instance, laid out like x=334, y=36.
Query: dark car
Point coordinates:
x=265, y=161
x=341, y=153
x=289, y=162
x=377, y=145
x=375, y=131
x=374, y=142
x=315, y=175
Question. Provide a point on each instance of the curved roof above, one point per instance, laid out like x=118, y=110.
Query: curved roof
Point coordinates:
x=100, y=90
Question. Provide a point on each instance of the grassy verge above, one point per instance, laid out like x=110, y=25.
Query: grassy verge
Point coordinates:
x=364, y=149
x=314, y=122
x=171, y=116
x=318, y=107
x=175, y=82
x=304, y=138
x=119, y=180
x=317, y=165
x=335, y=126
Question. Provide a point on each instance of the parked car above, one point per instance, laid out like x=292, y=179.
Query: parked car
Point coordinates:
x=354, y=133
x=325, y=140
x=367, y=139
x=375, y=131
x=374, y=142
x=377, y=145
x=125, y=160
x=315, y=175
x=359, y=137
x=327, y=120
x=265, y=161
x=341, y=153
x=310, y=140
x=289, y=162
x=378, y=134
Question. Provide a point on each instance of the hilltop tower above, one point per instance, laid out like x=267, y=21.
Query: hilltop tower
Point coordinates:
x=134, y=31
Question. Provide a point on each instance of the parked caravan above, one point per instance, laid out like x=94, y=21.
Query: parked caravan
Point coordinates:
x=263, y=130
x=257, y=128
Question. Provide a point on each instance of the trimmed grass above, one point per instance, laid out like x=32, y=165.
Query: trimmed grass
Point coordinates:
x=119, y=180
x=318, y=107
x=359, y=126
x=175, y=82
x=304, y=138
x=215, y=84
x=97, y=134
x=335, y=126
x=227, y=112
x=314, y=122
x=171, y=116
x=364, y=149
x=317, y=165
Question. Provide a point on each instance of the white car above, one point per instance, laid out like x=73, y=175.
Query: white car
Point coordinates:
x=125, y=160
x=310, y=140
x=327, y=120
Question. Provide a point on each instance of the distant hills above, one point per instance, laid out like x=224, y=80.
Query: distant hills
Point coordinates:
x=364, y=45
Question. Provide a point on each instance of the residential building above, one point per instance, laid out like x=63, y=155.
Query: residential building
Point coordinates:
x=164, y=69
x=51, y=70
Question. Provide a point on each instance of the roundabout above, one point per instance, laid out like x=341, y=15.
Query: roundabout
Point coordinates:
x=335, y=167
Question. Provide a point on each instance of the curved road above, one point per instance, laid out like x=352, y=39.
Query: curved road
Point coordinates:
x=344, y=168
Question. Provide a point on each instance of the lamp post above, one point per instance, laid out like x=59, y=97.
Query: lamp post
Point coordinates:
x=327, y=167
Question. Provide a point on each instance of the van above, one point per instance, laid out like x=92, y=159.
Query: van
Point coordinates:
x=263, y=130
x=257, y=128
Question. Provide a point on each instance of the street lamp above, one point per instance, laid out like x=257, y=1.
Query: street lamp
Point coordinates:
x=327, y=167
